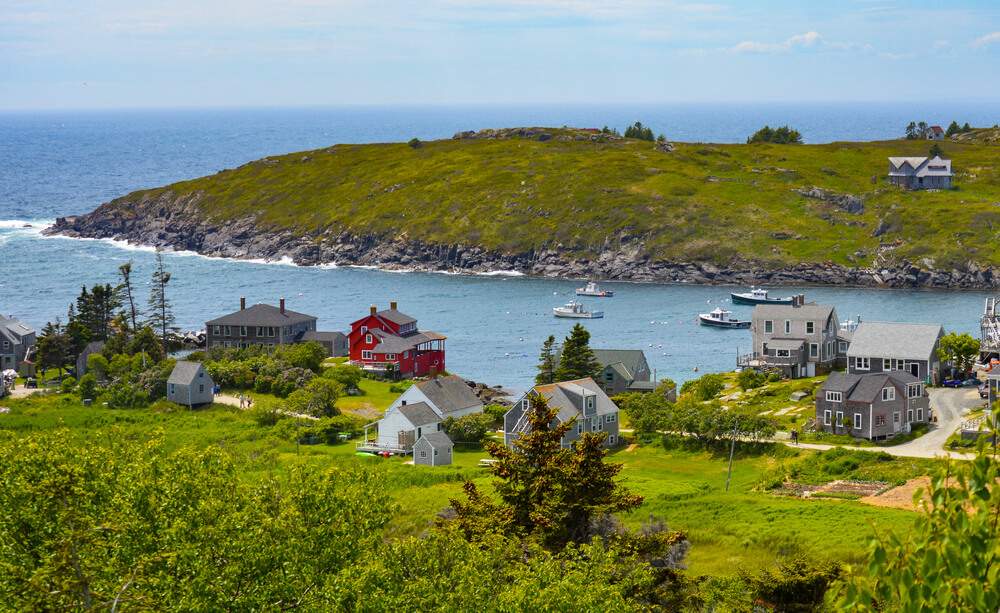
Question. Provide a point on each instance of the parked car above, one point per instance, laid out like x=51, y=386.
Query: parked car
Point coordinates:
x=952, y=383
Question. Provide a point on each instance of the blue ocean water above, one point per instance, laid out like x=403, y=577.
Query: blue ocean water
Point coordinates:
x=64, y=163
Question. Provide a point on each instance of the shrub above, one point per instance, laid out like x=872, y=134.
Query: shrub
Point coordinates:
x=265, y=414
x=68, y=385
x=496, y=412
x=748, y=379
x=470, y=428
x=414, y=143
x=262, y=384
x=398, y=388
x=87, y=387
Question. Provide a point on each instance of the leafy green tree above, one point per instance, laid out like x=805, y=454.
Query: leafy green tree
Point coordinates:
x=97, y=365
x=961, y=349
x=347, y=375
x=922, y=129
x=748, y=379
x=318, y=398
x=547, y=363
x=647, y=412
x=95, y=311
x=637, y=130
x=666, y=387
x=708, y=386
x=577, y=360
x=796, y=585
x=120, y=524
x=947, y=561
x=414, y=143
x=309, y=355
x=87, y=387
x=471, y=428
x=911, y=131
x=146, y=343
x=496, y=412
x=161, y=314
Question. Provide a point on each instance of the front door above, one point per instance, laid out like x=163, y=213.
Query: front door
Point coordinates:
x=896, y=426
x=915, y=369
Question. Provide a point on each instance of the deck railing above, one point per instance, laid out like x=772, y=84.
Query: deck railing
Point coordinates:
x=765, y=360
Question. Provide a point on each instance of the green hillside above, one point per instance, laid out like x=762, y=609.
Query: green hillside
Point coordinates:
x=582, y=193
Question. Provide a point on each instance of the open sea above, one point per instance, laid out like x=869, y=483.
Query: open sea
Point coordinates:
x=54, y=164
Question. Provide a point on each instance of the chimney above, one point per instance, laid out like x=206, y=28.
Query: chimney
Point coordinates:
x=802, y=299
x=392, y=305
x=243, y=303
x=373, y=309
x=433, y=374
x=282, y=307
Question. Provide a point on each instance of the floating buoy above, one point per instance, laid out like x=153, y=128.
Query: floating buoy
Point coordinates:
x=651, y=344
x=300, y=295
x=660, y=347
x=521, y=339
x=652, y=322
x=696, y=369
x=506, y=355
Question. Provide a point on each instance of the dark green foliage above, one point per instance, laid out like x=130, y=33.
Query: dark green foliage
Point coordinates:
x=637, y=130
x=414, y=143
x=577, y=360
x=935, y=150
x=347, y=375
x=966, y=128
x=54, y=347
x=647, y=412
x=317, y=398
x=126, y=294
x=547, y=363
x=329, y=429
x=161, y=314
x=88, y=387
x=708, y=386
x=953, y=129
x=397, y=388
x=960, y=349
x=471, y=428
x=607, y=130
x=145, y=342
x=911, y=131
x=779, y=136
x=496, y=412
x=748, y=379
x=795, y=586
x=95, y=311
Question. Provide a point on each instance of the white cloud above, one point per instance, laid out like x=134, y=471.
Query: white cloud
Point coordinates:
x=984, y=41
x=809, y=40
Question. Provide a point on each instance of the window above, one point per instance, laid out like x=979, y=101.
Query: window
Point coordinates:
x=201, y=375
x=888, y=393
x=879, y=420
x=201, y=388
x=228, y=344
x=826, y=418
x=595, y=425
x=909, y=415
x=843, y=347
x=368, y=338
x=215, y=330
x=609, y=376
x=390, y=356
x=364, y=329
x=640, y=368
x=862, y=363
x=590, y=402
x=172, y=390
x=423, y=454
x=524, y=404
x=579, y=428
x=783, y=353
x=228, y=332
x=243, y=330
x=270, y=330
x=768, y=326
x=886, y=364
x=840, y=418
x=788, y=327
x=857, y=421
x=920, y=415
x=260, y=331
x=814, y=350
x=895, y=418
x=610, y=418
x=611, y=440
x=810, y=327
x=835, y=396
x=366, y=355
x=913, y=390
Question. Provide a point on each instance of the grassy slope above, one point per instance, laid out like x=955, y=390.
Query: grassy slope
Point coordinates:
x=517, y=194
x=728, y=530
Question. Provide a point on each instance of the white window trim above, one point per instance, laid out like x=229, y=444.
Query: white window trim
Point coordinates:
x=862, y=363
x=782, y=353
x=768, y=326
x=366, y=355
x=835, y=396
x=895, y=417
x=920, y=414
x=826, y=418
x=814, y=350
x=840, y=418
x=788, y=326
x=857, y=421
x=887, y=364
x=888, y=393
x=810, y=327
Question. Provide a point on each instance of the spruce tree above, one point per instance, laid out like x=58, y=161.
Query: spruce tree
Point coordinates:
x=578, y=360
x=161, y=315
x=54, y=347
x=125, y=289
x=547, y=363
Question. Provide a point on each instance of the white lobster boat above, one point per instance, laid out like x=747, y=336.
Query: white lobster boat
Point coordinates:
x=575, y=310
x=594, y=289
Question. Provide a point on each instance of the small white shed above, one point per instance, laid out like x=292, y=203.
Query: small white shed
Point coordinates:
x=190, y=384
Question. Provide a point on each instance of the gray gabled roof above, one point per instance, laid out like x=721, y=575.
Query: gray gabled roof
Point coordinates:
x=395, y=317
x=807, y=312
x=879, y=339
x=184, y=373
x=390, y=343
x=419, y=414
x=438, y=440
x=322, y=336
x=629, y=359
x=14, y=329
x=865, y=388
x=261, y=314
x=449, y=394
x=792, y=344
x=567, y=397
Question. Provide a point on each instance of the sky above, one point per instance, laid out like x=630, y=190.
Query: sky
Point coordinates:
x=92, y=54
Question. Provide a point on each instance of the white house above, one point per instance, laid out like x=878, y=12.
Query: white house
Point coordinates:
x=920, y=172
x=446, y=396
x=405, y=424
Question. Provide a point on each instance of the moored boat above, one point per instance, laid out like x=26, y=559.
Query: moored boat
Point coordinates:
x=575, y=310
x=594, y=289
x=758, y=295
x=721, y=318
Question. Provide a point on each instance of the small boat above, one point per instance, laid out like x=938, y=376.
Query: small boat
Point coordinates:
x=593, y=289
x=575, y=309
x=721, y=318
x=758, y=295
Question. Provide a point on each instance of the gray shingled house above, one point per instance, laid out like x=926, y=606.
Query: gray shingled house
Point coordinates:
x=878, y=405
x=16, y=338
x=920, y=172
x=433, y=449
x=890, y=346
x=189, y=383
x=800, y=339
x=581, y=399
x=81, y=360
x=260, y=324
x=335, y=342
x=623, y=370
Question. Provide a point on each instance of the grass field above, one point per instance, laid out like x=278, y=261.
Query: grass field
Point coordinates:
x=730, y=529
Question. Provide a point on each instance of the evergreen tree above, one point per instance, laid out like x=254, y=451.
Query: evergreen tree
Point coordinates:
x=78, y=334
x=161, y=315
x=578, y=360
x=125, y=289
x=953, y=129
x=547, y=363
x=911, y=131
x=54, y=350
x=935, y=150
x=96, y=310
x=966, y=128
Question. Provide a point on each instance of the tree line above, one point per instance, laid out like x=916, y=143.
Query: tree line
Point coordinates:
x=779, y=136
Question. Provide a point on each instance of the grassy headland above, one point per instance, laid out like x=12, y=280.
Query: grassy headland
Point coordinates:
x=583, y=195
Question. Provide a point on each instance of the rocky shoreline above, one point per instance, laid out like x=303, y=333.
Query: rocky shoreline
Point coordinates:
x=173, y=224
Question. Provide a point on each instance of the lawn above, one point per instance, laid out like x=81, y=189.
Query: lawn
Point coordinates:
x=728, y=530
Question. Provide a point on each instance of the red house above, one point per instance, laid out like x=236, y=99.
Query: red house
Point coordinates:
x=389, y=342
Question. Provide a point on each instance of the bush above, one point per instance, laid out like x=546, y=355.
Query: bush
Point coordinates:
x=496, y=412
x=398, y=388
x=414, y=143
x=347, y=375
x=87, y=387
x=262, y=384
x=265, y=414
x=748, y=379
x=470, y=428
x=68, y=385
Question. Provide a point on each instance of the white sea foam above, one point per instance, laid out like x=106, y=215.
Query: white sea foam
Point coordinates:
x=500, y=273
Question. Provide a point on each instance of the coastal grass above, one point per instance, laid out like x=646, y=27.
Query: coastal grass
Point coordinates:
x=733, y=204
x=744, y=527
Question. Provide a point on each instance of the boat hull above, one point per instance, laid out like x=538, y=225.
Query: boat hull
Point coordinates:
x=723, y=324
x=592, y=315
x=743, y=299
x=604, y=294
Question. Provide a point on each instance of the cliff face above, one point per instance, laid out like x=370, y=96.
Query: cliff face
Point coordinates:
x=173, y=222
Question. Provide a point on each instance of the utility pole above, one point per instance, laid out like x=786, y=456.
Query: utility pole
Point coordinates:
x=732, y=449
x=296, y=435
